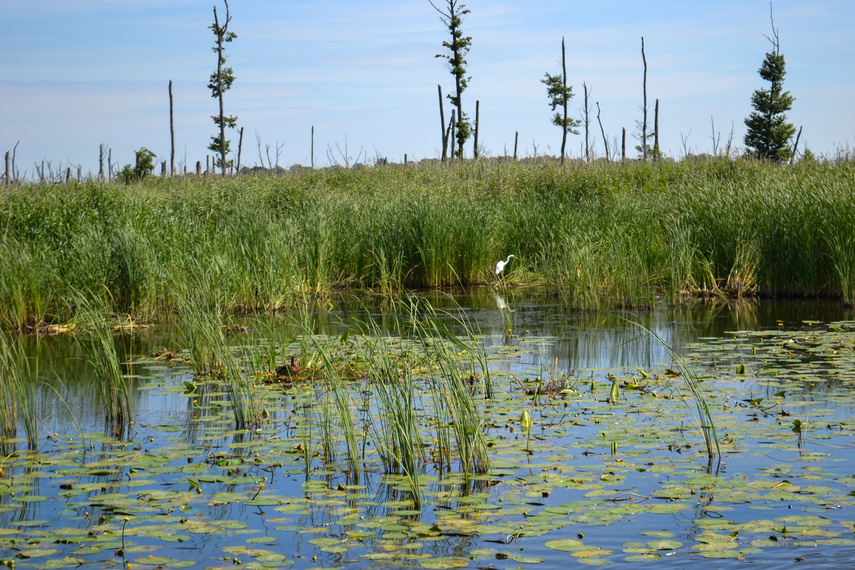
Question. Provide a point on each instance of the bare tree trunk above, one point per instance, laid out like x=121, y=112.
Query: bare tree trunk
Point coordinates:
x=101, y=162
x=240, y=147
x=644, y=107
x=623, y=144
x=8, y=168
x=656, y=130
x=171, y=132
x=796, y=146
x=587, y=125
x=451, y=125
x=516, y=143
x=67, y=175
x=477, y=119
x=729, y=144
x=163, y=168
x=198, y=168
x=109, y=165
x=603, y=132
x=566, y=101
x=442, y=125
x=715, y=140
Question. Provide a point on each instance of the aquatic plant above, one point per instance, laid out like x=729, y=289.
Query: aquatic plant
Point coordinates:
x=200, y=302
x=337, y=389
x=17, y=394
x=452, y=387
x=397, y=433
x=594, y=234
x=95, y=331
x=701, y=413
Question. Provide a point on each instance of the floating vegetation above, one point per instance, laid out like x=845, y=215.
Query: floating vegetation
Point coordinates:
x=361, y=464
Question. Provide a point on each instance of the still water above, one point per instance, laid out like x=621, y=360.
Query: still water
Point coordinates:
x=625, y=480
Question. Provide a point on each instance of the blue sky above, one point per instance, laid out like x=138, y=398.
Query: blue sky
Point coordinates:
x=77, y=74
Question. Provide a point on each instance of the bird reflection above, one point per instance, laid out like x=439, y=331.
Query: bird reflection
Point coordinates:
x=501, y=303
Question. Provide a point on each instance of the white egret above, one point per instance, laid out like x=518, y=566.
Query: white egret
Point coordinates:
x=501, y=265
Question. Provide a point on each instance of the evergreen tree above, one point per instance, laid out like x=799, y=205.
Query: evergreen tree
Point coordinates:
x=559, y=94
x=769, y=133
x=458, y=47
x=221, y=81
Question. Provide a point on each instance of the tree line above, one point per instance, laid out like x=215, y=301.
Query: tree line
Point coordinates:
x=769, y=135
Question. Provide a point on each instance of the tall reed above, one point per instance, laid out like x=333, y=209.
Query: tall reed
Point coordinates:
x=96, y=323
x=593, y=234
x=200, y=302
x=397, y=433
x=701, y=413
x=343, y=402
x=452, y=386
x=17, y=394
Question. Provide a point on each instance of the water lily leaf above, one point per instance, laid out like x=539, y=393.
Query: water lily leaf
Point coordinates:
x=67, y=562
x=590, y=552
x=444, y=563
x=565, y=545
x=525, y=559
x=36, y=552
x=664, y=544
x=643, y=557
x=30, y=498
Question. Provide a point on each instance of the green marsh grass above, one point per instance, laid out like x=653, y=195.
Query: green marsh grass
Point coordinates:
x=397, y=433
x=452, y=382
x=594, y=234
x=201, y=307
x=96, y=334
x=338, y=391
x=17, y=396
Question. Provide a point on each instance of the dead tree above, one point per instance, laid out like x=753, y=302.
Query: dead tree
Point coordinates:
x=603, y=132
x=587, y=112
x=101, y=161
x=623, y=144
x=477, y=120
x=171, y=133
x=656, y=154
x=442, y=125
x=644, y=107
x=240, y=147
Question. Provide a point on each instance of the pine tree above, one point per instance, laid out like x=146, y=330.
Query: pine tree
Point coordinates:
x=559, y=94
x=221, y=81
x=769, y=133
x=458, y=47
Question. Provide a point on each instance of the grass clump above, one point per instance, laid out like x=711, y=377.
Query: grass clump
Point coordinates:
x=592, y=234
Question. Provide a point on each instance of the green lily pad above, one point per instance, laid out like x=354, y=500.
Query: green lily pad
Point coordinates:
x=664, y=544
x=565, y=545
x=444, y=563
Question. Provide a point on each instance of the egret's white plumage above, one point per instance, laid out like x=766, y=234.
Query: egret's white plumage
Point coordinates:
x=501, y=265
